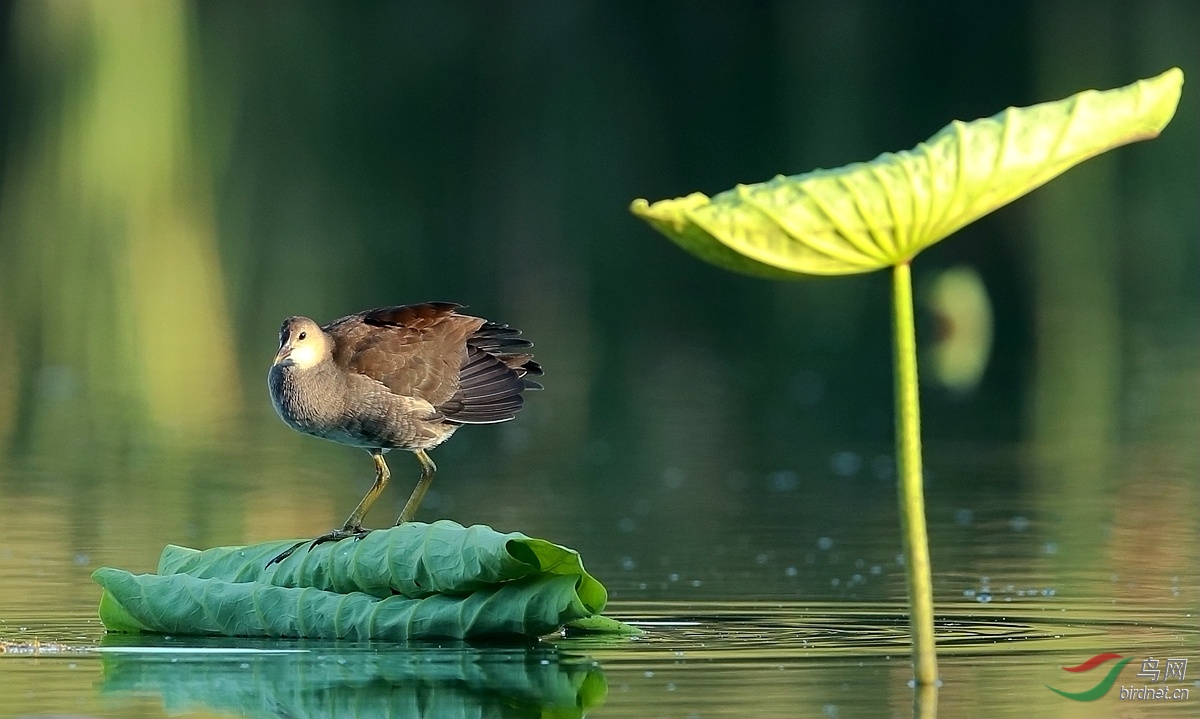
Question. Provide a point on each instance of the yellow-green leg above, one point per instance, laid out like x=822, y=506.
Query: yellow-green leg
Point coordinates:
x=428, y=469
x=353, y=526
x=382, y=475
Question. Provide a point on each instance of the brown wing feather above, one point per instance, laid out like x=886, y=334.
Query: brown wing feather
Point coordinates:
x=414, y=350
x=462, y=365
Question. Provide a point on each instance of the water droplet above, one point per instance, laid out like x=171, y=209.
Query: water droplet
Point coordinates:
x=761, y=558
x=846, y=464
x=695, y=582
x=1050, y=548
x=784, y=480
x=627, y=563
x=824, y=543
x=648, y=674
x=673, y=577
x=963, y=517
x=983, y=598
x=790, y=571
x=1018, y=523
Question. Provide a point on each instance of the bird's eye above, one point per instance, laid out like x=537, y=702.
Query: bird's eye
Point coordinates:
x=303, y=335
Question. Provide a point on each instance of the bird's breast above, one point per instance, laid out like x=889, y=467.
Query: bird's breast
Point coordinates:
x=305, y=400
x=354, y=410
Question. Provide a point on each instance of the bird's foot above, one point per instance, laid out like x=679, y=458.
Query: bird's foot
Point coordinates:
x=336, y=535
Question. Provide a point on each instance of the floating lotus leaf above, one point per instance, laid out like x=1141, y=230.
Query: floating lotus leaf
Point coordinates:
x=867, y=216
x=408, y=582
x=186, y=605
x=414, y=560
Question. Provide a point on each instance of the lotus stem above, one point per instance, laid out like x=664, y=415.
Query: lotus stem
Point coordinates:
x=910, y=482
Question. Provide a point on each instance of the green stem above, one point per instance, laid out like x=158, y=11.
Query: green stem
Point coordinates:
x=909, y=480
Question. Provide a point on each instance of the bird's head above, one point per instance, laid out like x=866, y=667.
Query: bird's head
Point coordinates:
x=302, y=344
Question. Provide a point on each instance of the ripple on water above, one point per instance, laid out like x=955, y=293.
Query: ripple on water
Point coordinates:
x=771, y=631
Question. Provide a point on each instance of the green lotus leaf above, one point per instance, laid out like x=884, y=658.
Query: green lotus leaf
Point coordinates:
x=599, y=624
x=867, y=216
x=414, y=560
x=408, y=582
x=185, y=605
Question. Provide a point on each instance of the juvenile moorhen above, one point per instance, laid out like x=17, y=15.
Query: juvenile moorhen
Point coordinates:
x=397, y=378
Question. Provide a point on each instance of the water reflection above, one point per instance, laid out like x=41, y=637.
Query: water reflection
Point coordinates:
x=283, y=679
x=704, y=659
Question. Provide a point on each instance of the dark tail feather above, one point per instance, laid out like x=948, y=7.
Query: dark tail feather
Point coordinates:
x=495, y=338
x=489, y=387
x=524, y=366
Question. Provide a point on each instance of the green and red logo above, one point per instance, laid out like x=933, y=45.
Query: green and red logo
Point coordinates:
x=1105, y=684
x=1174, y=669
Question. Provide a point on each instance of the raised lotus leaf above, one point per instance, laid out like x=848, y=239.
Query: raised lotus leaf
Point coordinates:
x=870, y=215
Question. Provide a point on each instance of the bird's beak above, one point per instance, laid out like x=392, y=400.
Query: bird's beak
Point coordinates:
x=284, y=355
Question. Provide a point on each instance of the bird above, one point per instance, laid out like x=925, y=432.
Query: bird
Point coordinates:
x=404, y=377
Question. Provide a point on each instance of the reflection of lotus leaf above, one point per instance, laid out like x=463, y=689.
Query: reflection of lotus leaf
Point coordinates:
x=407, y=582
x=331, y=681
x=867, y=216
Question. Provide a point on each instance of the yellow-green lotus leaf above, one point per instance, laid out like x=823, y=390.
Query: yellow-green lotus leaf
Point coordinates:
x=870, y=215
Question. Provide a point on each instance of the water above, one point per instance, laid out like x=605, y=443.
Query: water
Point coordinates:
x=786, y=600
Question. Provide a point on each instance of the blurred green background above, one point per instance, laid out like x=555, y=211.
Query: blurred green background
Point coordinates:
x=177, y=178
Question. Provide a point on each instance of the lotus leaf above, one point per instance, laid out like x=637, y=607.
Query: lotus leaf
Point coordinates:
x=408, y=582
x=867, y=216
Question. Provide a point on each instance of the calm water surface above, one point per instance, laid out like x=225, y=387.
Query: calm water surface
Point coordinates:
x=783, y=598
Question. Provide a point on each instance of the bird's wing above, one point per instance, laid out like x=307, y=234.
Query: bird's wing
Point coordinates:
x=414, y=350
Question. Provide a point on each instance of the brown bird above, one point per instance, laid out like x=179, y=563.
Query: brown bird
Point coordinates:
x=399, y=377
